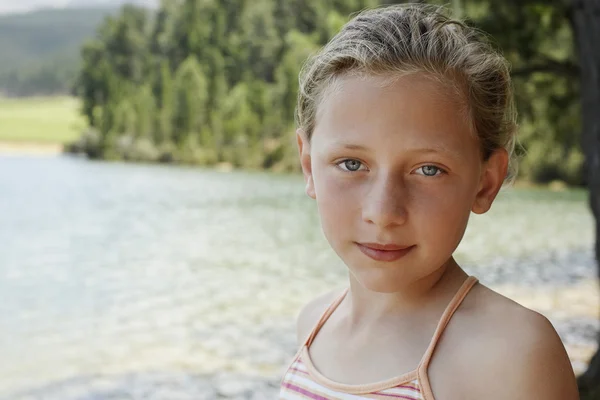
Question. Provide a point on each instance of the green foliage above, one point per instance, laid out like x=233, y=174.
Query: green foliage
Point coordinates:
x=536, y=37
x=207, y=81
x=166, y=103
x=145, y=108
x=88, y=143
x=190, y=100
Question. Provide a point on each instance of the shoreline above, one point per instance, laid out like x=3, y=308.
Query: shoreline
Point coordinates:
x=30, y=148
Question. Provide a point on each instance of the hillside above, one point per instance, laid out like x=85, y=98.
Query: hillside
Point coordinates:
x=44, y=45
x=22, y=6
x=114, y=3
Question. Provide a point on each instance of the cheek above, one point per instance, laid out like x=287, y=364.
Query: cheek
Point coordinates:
x=446, y=211
x=329, y=188
x=337, y=200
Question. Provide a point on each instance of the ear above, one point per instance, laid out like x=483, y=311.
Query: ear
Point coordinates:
x=305, y=162
x=491, y=180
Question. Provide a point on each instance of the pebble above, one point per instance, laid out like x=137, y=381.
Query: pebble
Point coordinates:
x=566, y=267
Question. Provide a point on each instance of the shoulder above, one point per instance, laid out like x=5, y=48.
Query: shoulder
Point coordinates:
x=513, y=352
x=311, y=312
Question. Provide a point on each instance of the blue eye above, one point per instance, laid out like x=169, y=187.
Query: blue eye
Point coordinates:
x=429, y=170
x=350, y=165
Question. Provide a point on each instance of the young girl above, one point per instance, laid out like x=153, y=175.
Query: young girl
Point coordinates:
x=406, y=126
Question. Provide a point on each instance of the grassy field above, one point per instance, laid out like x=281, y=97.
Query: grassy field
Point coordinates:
x=43, y=120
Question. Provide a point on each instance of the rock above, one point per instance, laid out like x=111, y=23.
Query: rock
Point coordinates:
x=235, y=385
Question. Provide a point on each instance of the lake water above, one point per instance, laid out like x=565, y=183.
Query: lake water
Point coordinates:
x=109, y=268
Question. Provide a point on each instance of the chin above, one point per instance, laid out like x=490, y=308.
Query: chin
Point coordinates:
x=380, y=281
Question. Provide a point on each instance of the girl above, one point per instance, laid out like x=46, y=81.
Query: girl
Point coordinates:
x=406, y=126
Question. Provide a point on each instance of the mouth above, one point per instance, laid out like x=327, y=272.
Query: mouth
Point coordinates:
x=384, y=252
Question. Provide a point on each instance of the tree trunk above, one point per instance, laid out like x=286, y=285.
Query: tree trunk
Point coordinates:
x=586, y=24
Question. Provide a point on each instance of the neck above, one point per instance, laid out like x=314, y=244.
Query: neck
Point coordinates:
x=431, y=292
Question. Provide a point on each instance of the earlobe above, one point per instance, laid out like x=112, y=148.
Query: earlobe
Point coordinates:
x=305, y=162
x=492, y=178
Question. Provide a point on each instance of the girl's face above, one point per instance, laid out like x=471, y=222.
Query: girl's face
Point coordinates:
x=396, y=164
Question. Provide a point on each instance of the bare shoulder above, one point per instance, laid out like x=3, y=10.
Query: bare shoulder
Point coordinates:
x=311, y=312
x=512, y=351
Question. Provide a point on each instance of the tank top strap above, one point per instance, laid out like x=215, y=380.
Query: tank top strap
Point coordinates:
x=326, y=314
x=456, y=301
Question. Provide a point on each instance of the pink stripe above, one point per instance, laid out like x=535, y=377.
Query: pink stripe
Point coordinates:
x=397, y=396
x=296, y=365
x=305, y=392
x=300, y=371
x=406, y=387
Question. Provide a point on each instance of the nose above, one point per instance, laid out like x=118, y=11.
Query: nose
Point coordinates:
x=385, y=203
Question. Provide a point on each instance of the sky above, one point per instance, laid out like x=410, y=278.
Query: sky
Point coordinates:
x=15, y=6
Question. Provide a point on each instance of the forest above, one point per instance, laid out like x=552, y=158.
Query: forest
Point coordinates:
x=210, y=82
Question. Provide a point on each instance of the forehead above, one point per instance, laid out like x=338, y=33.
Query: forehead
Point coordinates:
x=411, y=110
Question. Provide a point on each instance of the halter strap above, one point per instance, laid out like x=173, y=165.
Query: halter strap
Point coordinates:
x=445, y=319
x=326, y=314
x=446, y=316
x=422, y=374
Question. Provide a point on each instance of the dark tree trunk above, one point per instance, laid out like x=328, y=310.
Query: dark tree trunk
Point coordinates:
x=586, y=25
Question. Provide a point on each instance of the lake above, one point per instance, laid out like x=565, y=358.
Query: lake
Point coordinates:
x=112, y=268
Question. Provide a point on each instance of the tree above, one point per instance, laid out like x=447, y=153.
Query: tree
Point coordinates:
x=248, y=55
x=127, y=44
x=92, y=80
x=537, y=39
x=145, y=108
x=190, y=100
x=165, y=116
x=585, y=17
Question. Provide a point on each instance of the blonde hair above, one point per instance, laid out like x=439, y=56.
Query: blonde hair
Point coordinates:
x=410, y=38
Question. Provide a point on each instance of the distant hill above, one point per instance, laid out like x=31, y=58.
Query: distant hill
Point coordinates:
x=113, y=3
x=43, y=34
x=33, y=43
x=20, y=6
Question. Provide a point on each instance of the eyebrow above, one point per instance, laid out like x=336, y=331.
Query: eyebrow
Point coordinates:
x=351, y=146
x=436, y=149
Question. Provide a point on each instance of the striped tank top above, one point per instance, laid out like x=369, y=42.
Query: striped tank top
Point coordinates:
x=303, y=381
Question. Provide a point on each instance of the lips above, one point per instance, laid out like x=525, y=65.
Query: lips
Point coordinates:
x=388, y=247
x=384, y=252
